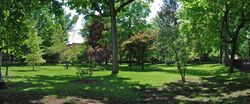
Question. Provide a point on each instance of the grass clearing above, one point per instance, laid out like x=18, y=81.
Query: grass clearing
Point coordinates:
x=154, y=84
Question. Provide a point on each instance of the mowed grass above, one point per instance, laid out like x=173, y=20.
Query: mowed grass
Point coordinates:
x=153, y=75
x=155, y=84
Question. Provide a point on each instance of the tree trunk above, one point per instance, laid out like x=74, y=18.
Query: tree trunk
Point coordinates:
x=2, y=83
x=221, y=52
x=7, y=63
x=224, y=36
x=114, y=38
x=100, y=63
x=33, y=66
x=142, y=64
x=67, y=65
x=183, y=79
x=234, y=46
x=226, y=53
x=106, y=62
x=179, y=68
x=1, y=64
x=249, y=50
x=182, y=74
x=129, y=62
x=11, y=57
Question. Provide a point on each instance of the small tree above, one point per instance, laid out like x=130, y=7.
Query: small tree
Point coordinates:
x=138, y=46
x=179, y=51
x=84, y=73
x=34, y=57
x=169, y=37
x=96, y=51
x=70, y=54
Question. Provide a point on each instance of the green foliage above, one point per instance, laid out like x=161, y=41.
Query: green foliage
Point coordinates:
x=169, y=37
x=133, y=19
x=70, y=54
x=138, y=46
x=14, y=15
x=202, y=29
x=122, y=87
x=243, y=46
x=213, y=24
x=58, y=42
x=34, y=57
x=104, y=8
x=84, y=73
x=97, y=49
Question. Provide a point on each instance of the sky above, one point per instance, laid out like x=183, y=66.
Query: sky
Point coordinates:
x=75, y=37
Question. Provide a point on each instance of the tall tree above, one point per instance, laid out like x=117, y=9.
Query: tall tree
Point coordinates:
x=228, y=17
x=105, y=8
x=34, y=42
x=170, y=38
x=12, y=25
x=131, y=21
x=15, y=13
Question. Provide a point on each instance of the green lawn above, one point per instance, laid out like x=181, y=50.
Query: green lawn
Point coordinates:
x=207, y=83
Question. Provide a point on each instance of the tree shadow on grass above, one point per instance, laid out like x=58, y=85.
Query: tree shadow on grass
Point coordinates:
x=220, y=88
x=217, y=89
x=107, y=89
x=26, y=70
x=147, y=68
x=113, y=89
x=200, y=71
x=197, y=72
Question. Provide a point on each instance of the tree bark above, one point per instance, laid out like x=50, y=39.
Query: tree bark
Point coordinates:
x=106, y=62
x=221, y=52
x=1, y=64
x=2, y=83
x=33, y=66
x=7, y=63
x=11, y=57
x=129, y=62
x=234, y=46
x=114, y=38
x=142, y=64
x=67, y=66
x=225, y=35
x=182, y=74
x=249, y=50
x=226, y=54
x=183, y=79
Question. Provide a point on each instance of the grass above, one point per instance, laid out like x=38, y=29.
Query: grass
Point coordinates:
x=207, y=83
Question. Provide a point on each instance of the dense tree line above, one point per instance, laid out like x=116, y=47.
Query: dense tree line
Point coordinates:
x=218, y=25
x=117, y=31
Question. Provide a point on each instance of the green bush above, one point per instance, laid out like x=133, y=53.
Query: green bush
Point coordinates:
x=84, y=73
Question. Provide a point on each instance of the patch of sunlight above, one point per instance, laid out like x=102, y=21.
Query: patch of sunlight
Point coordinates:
x=198, y=98
x=236, y=94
